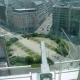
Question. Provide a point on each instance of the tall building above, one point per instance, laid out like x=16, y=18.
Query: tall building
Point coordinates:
x=75, y=21
x=61, y=18
x=75, y=3
x=40, y=8
x=3, y=11
x=4, y=60
x=66, y=17
x=3, y=50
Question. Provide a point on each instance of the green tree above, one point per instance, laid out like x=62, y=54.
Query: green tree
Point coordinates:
x=29, y=60
x=12, y=61
x=8, y=43
x=13, y=39
x=58, y=40
x=34, y=34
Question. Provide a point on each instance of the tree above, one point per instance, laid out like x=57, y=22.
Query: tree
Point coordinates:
x=38, y=60
x=29, y=60
x=47, y=36
x=34, y=34
x=13, y=39
x=12, y=61
x=8, y=43
x=58, y=40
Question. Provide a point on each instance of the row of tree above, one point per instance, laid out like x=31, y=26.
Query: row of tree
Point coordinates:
x=28, y=60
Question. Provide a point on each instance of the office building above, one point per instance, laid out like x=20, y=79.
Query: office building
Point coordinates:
x=75, y=21
x=25, y=19
x=40, y=8
x=60, y=18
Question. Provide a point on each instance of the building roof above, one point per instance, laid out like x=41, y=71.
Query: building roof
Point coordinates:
x=61, y=6
x=38, y=2
x=25, y=10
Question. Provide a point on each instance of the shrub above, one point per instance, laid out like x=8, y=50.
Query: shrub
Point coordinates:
x=34, y=34
x=20, y=59
x=58, y=40
x=24, y=36
x=47, y=36
x=29, y=60
x=37, y=60
x=9, y=54
x=13, y=39
x=12, y=61
x=8, y=43
x=9, y=49
x=50, y=62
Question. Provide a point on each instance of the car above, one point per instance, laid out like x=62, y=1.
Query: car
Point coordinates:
x=42, y=28
x=47, y=29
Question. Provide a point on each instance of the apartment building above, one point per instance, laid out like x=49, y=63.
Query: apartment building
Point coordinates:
x=40, y=8
x=61, y=18
x=25, y=20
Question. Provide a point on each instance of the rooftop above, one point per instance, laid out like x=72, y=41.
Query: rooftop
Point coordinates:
x=61, y=6
x=38, y=2
x=25, y=10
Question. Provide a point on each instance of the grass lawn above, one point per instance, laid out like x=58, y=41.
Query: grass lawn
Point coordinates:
x=36, y=40
x=36, y=65
x=27, y=50
x=37, y=56
x=47, y=45
x=19, y=64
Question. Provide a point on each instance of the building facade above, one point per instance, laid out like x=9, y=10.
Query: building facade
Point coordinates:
x=3, y=11
x=25, y=19
x=40, y=8
x=68, y=18
x=3, y=50
x=75, y=21
x=60, y=18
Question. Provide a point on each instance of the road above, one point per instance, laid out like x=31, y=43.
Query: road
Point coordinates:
x=46, y=26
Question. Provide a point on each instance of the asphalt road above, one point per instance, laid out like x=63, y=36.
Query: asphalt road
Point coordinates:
x=46, y=26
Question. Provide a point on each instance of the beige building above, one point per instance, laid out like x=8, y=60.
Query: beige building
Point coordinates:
x=25, y=19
